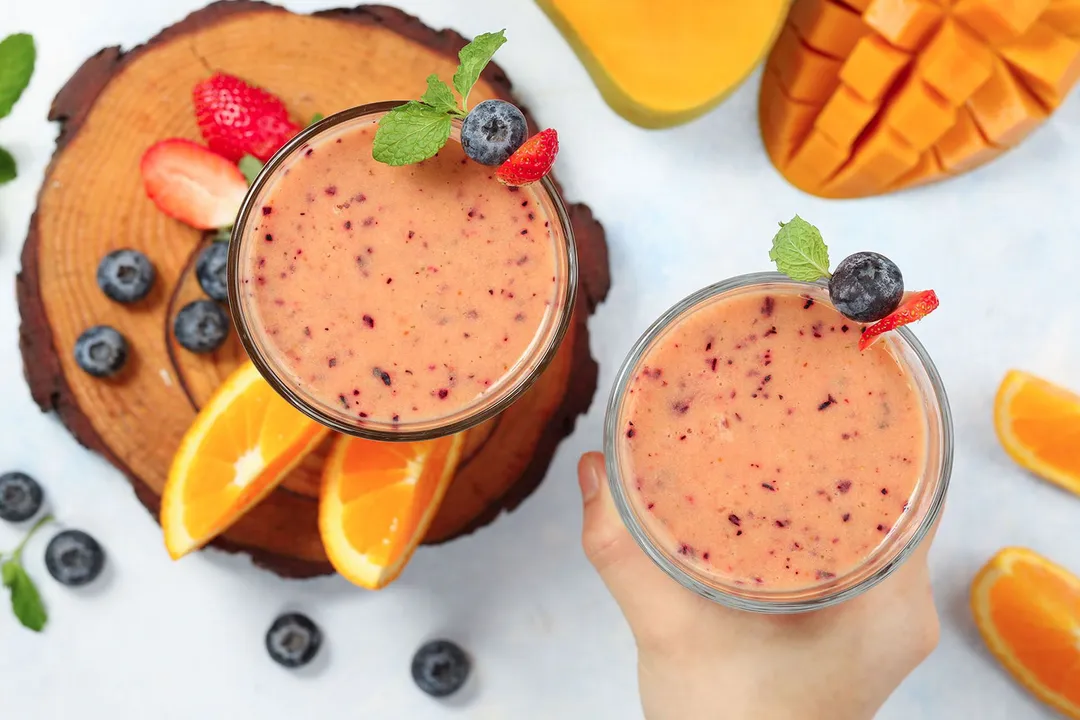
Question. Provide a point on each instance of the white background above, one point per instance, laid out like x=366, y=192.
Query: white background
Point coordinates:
x=683, y=208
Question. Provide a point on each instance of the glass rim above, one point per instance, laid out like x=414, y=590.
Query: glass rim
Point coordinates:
x=400, y=432
x=780, y=602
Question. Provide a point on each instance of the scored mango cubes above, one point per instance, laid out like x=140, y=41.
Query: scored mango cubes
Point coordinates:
x=862, y=97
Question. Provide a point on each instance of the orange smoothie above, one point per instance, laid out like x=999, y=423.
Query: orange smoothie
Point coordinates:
x=396, y=294
x=762, y=448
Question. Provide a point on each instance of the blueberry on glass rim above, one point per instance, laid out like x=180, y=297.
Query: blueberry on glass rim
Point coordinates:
x=492, y=131
x=866, y=287
x=20, y=497
x=125, y=276
x=440, y=668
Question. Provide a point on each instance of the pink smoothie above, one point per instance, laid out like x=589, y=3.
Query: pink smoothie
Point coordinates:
x=397, y=294
x=759, y=445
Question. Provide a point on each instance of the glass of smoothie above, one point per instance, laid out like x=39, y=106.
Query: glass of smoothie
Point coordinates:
x=397, y=303
x=763, y=461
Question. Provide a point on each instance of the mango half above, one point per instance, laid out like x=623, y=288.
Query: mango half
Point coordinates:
x=864, y=97
x=660, y=63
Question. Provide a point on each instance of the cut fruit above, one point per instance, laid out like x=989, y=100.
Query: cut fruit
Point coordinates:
x=241, y=445
x=188, y=182
x=378, y=500
x=914, y=307
x=1028, y=612
x=698, y=52
x=965, y=80
x=1038, y=423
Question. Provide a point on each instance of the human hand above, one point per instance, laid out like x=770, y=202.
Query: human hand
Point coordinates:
x=698, y=660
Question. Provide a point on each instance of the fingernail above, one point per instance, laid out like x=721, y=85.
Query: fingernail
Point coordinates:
x=588, y=479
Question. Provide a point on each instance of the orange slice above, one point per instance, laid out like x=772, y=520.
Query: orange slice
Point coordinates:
x=1039, y=425
x=378, y=500
x=1028, y=611
x=241, y=445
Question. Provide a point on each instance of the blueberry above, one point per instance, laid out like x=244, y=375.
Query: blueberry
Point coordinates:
x=126, y=276
x=74, y=558
x=293, y=640
x=201, y=326
x=101, y=351
x=440, y=668
x=866, y=287
x=492, y=131
x=20, y=497
x=210, y=270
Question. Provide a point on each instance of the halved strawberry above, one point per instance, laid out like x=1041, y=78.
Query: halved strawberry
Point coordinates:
x=238, y=119
x=188, y=182
x=531, y=161
x=917, y=306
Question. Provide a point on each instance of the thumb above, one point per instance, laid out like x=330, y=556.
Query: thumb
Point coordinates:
x=642, y=590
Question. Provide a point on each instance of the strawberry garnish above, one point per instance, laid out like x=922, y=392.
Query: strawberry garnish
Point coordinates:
x=915, y=307
x=531, y=161
x=238, y=119
x=188, y=182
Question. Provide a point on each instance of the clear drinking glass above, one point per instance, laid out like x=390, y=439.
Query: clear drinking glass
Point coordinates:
x=495, y=399
x=924, y=507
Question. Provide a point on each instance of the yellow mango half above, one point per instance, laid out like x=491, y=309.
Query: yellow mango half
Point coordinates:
x=863, y=97
x=661, y=63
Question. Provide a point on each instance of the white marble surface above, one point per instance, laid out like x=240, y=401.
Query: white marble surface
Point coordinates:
x=683, y=208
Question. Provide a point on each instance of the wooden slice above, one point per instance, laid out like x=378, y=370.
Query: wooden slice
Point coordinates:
x=92, y=202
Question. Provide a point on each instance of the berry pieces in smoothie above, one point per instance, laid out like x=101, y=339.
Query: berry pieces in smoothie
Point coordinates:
x=101, y=351
x=754, y=456
x=492, y=131
x=866, y=286
x=201, y=326
x=125, y=276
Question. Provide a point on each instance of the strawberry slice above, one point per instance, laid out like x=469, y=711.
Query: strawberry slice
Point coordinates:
x=188, y=182
x=531, y=161
x=238, y=119
x=917, y=306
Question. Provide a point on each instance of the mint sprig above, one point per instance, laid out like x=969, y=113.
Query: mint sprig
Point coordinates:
x=25, y=601
x=17, y=57
x=800, y=252
x=417, y=130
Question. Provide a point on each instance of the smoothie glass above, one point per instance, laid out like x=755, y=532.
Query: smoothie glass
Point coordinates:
x=466, y=408
x=919, y=513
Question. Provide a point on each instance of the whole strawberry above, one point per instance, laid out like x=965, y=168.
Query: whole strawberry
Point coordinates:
x=531, y=161
x=238, y=119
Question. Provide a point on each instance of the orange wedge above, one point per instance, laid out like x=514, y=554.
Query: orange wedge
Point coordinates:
x=241, y=445
x=1039, y=425
x=1028, y=611
x=378, y=500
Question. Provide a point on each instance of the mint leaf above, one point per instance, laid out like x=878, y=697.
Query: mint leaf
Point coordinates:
x=25, y=601
x=473, y=58
x=7, y=166
x=17, y=56
x=223, y=234
x=316, y=118
x=250, y=166
x=439, y=95
x=799, y=251
x=410, y=133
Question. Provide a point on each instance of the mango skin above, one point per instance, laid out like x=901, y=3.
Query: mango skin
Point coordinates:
x=635, y=110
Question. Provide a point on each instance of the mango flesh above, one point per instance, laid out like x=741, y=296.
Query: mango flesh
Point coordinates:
x=864, y=97
x=660, y=64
